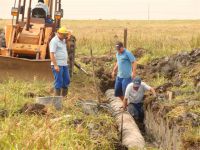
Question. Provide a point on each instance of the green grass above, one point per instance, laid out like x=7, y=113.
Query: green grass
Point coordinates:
x=22, y=131
x=192, y=138
x=159, y=80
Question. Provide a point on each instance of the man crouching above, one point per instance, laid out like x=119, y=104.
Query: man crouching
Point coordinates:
x=134, y=97
x=59, y=57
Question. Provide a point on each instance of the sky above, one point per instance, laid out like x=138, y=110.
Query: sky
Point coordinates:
x=122, y=9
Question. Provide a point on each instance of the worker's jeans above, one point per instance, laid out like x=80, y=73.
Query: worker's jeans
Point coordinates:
x=120, y=86
x=136, y=111
x=61, y=78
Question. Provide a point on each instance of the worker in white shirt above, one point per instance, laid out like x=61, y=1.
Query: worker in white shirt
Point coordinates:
x=42, y=5
x=134, y=98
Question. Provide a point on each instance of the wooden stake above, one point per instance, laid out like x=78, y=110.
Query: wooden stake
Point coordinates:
x=94, y=79
x=122, y=123
x=170, y=95
x=110, y=51
x=125, y=37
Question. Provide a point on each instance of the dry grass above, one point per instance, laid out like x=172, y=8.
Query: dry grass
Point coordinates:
x=160, y=38
x=21, y=131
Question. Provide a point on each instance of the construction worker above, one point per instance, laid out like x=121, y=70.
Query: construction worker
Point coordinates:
x=125, y=68
x=71, y=46
x=2, y=38
x=134, y=96
x=59, y=58
x=42, y=5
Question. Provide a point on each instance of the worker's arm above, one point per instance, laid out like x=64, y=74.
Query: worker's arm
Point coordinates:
x=149, y=88
x=134, y=67
x=114, y=70
x=133, y=62
x=126, y=96
x=53, y=48
x=153, y=91
x=53, y=59
x=125, y=103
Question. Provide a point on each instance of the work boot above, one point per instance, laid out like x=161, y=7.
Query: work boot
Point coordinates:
x=57, y=92
x=64, y=92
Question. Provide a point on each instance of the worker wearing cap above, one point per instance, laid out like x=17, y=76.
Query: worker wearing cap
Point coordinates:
x=42, y=5
x=134, y=97
x=59, y=58
x=125, y=68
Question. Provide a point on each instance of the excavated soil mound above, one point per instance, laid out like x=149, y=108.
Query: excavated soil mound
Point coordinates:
x=176, y=62
x=169, y=66
x=106, y=81
x=139, y=52
x=33, y=109
x=3, y=113
x=172, y=117
x=97, y=60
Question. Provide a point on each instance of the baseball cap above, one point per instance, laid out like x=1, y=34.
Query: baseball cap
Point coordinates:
x=119, y=45
x=137, y=82
x=63, y=30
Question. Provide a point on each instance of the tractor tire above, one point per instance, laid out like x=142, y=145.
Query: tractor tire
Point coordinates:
x=2, y=39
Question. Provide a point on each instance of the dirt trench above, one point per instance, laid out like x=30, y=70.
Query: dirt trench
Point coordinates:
x=167, y=122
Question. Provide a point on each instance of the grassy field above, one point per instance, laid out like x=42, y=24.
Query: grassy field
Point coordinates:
x=159, y=38
x=21, y=131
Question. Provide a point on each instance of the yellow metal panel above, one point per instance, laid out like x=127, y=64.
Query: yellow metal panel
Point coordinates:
x=8, y=33
x=24, y=48
x=25, y=39
x=48, y=32
x=4, y=51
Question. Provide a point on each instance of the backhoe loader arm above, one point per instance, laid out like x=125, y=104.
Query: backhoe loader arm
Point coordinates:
x=50, y=4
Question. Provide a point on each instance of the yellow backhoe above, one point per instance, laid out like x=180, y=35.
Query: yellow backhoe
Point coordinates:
x=26, y=53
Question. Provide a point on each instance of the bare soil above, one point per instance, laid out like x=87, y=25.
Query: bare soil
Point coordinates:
x=33, y=109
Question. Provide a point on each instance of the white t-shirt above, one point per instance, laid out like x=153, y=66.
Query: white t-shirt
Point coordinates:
x=134, y=96
x=44, y=6
x=59, y=48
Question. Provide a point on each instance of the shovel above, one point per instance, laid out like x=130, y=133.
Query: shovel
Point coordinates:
x=122, y=124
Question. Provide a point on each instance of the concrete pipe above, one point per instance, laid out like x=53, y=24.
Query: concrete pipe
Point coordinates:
x=131, y=136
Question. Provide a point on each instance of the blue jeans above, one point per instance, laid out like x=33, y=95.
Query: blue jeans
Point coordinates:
x=61, y=78
x=136, y=111
x=120, y=86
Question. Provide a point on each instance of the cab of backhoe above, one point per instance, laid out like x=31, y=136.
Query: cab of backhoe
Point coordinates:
x=26, y=54
x=39, y=13
x=29, y=37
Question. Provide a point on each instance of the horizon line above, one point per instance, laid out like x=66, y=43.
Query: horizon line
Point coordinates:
x=198, y=19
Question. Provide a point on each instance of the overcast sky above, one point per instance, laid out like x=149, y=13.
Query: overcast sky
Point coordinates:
x=121, y=9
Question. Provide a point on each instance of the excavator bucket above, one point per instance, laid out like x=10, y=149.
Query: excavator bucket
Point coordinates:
x=24, y=48
x=25, y=69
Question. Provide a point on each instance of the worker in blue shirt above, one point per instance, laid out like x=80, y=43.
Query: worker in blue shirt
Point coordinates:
x=125, y=68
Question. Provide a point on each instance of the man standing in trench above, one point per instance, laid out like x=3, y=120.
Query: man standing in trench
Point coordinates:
x=59, y=57
x=125, y=68
x=134, y=97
